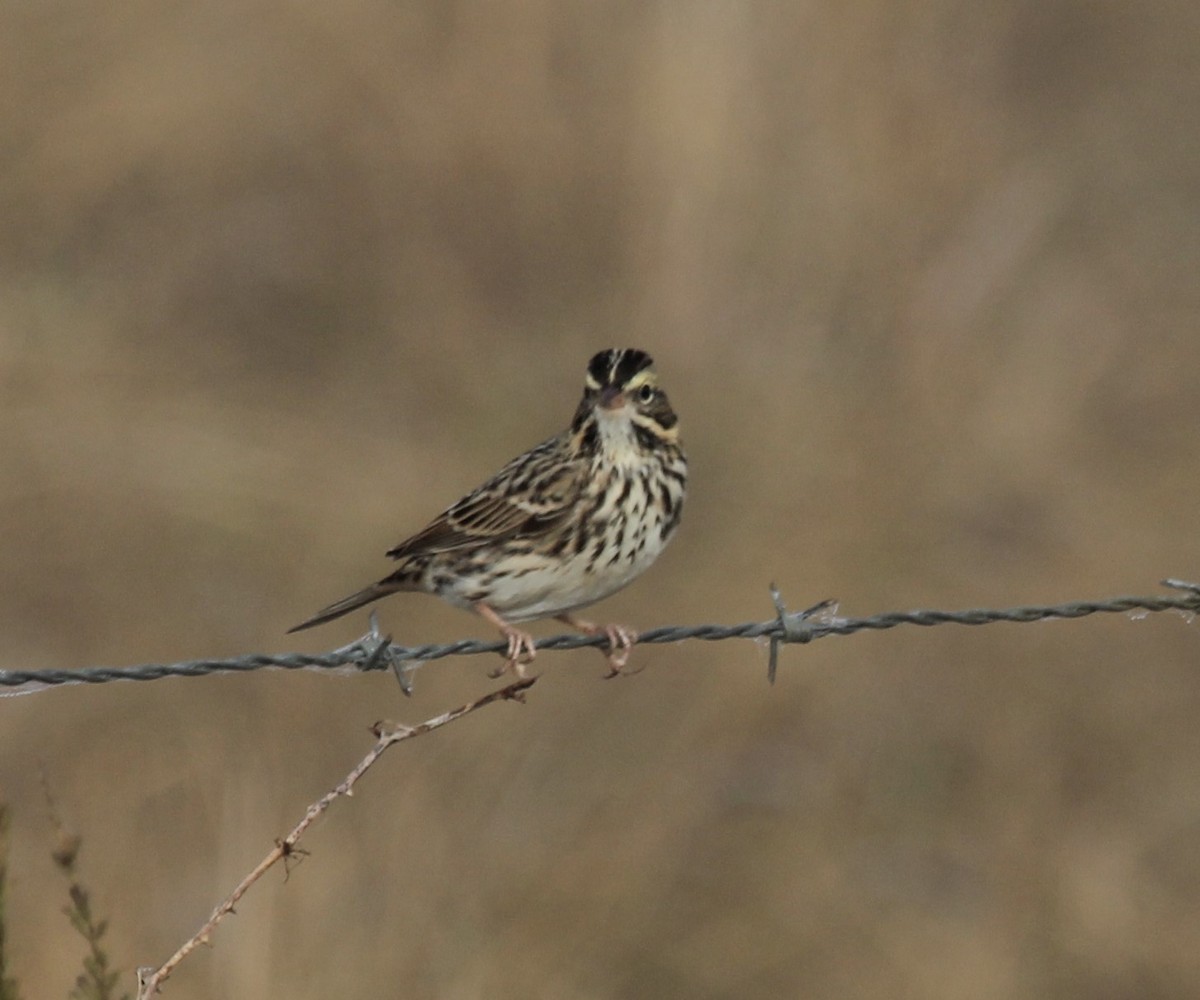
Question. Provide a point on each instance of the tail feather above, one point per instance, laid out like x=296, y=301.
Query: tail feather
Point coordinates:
x=348, y=604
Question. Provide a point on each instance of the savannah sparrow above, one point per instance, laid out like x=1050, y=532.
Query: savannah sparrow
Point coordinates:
x=562, y=526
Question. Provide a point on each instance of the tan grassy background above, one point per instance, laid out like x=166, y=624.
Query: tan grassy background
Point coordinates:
x=279, y=281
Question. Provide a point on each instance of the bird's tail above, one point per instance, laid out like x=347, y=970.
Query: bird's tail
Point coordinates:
x=348, y=604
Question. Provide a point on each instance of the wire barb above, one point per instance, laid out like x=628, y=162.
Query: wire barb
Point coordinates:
x=797, y=627
x=1193, y=588
x=380, y=650
x=377, y=652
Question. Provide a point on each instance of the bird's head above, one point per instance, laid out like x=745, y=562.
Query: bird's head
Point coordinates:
x=624, y=402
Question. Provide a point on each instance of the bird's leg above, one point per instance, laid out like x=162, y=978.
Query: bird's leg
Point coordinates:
x=520, y=644
x=620, y=640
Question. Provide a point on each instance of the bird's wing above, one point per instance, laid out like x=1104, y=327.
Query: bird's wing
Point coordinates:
x=527, y=498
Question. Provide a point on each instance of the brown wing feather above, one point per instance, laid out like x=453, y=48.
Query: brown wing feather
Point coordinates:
x=526, y=498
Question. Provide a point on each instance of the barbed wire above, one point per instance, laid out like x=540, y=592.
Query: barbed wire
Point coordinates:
x=374, y=651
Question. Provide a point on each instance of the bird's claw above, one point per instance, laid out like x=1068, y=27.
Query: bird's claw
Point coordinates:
x=520, y=651
x=620, y=644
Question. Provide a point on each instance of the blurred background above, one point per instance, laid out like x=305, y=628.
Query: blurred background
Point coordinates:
x=280, y=281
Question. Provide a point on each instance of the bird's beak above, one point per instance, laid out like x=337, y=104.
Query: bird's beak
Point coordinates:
x=612, y=398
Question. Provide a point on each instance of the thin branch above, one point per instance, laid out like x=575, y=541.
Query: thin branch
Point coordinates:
x=376, y=652
x=386, y=735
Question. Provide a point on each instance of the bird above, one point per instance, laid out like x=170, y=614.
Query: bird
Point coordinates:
x=560, y=527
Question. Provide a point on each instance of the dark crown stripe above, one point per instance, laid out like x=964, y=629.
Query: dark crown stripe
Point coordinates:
x=599, y=367
x=628, y=364
x=617, y=366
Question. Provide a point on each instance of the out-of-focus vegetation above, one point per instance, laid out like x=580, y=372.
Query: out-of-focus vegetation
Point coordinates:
x=279, y=281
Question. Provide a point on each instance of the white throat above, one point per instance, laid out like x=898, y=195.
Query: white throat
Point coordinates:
x=618, y=442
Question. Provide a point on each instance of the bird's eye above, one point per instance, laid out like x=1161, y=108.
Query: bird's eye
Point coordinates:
x=645, y=394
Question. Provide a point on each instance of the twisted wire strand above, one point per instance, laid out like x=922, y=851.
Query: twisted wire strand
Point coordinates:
x=376, y=652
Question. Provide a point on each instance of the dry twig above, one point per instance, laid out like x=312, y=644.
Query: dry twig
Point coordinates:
x=387, y=734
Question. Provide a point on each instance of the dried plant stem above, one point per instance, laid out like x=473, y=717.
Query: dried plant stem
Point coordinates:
x=387, y=734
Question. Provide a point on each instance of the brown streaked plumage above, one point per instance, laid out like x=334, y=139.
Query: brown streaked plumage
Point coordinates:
x=562, y=526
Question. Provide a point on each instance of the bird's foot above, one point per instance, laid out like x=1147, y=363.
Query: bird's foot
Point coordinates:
x=520, y=652
x=521, y=649
x=620, y=641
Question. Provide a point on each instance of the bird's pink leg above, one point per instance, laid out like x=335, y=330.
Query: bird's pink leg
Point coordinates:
x=520, y=644
x=620, y=640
